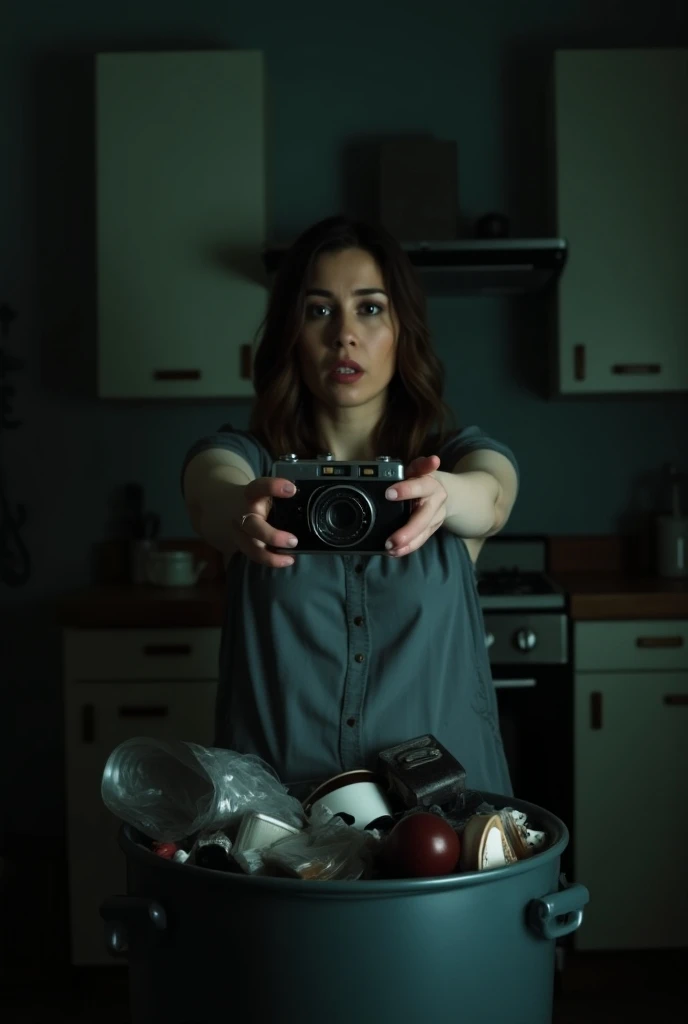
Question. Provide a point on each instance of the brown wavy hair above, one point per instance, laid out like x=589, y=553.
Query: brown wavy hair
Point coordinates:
x=282, y=414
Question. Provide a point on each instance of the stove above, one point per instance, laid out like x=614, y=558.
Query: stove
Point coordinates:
x=511, y=574
x=527, y=638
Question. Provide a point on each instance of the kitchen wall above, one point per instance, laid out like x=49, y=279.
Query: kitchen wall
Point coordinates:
x=339, y=77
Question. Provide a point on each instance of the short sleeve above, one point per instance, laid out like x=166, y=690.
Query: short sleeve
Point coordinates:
x=471, y=439
x=238, y=441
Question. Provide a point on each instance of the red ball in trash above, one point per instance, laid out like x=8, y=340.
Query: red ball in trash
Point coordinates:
x=165, y=850
x=422, y=845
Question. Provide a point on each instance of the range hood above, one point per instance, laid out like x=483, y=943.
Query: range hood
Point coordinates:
x=501, y=266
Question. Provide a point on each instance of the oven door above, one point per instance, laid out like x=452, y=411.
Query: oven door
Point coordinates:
x=536, y=721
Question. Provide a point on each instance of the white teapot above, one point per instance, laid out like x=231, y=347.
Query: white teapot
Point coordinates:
x=173, y=568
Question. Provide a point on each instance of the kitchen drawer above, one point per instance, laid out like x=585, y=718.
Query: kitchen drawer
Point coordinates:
x=141, y=654
x=639, y=645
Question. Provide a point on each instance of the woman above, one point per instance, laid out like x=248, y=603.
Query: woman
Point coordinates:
x=328, y=658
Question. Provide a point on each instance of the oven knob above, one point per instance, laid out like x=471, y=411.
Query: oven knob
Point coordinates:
x=525, y=639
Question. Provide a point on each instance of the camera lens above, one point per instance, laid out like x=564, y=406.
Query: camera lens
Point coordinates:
x=341, y=516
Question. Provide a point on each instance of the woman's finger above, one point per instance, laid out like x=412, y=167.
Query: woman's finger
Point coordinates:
x=255, y=537
x=269, y=487
x=423, y=465
x=256, y=526
x=416, y=542
x=419, y=522
x=417, y=487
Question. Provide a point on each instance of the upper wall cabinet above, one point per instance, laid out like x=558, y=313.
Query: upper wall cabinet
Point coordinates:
x=621, y=125
x=180, y=222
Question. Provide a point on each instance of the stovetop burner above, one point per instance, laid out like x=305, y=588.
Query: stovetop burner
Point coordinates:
x=512, y=588
x=514, y=582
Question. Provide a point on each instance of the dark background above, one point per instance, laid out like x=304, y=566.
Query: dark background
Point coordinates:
x=340, y=76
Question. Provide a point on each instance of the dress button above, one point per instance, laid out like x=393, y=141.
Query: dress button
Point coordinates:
x=351, y=722
x=358, y=621
x=359, y=658
x=359, y=568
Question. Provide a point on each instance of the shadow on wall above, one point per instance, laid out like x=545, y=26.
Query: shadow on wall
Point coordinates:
x=65, y=223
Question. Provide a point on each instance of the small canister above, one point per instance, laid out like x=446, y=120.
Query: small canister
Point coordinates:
x=422, y=773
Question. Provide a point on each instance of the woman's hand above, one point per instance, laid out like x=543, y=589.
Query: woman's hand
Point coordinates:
x=430, y=500
x=252, y=532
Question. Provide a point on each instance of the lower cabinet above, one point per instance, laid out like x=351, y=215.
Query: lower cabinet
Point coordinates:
x=631, y=817
x=101, y=713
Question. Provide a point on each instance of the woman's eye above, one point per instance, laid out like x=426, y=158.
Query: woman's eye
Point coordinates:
x=371, y=308
x=317, y=312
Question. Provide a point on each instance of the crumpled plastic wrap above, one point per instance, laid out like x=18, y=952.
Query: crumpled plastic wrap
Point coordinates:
x=329, y=849
x=169, y=789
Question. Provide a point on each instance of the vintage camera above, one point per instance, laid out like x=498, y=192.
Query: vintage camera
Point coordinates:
x=339, y=506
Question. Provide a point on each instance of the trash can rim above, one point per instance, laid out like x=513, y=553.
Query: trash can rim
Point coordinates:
x=539, y=816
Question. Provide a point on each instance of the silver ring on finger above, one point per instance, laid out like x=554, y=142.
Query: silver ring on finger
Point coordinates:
x=247, y=516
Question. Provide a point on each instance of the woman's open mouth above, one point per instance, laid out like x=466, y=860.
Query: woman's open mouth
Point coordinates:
x=346, y=372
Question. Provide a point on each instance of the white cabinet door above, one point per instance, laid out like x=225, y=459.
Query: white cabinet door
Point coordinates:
x=621, y=127
x=180, y=180
x=631, y=816
x=99, y=716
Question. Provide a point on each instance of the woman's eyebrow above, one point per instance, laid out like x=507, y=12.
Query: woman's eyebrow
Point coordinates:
x=325, y=294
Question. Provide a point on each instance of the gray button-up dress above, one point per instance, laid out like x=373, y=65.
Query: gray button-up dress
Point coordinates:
x=328, y=661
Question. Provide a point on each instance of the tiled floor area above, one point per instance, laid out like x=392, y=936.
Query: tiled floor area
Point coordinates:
x=592, y=990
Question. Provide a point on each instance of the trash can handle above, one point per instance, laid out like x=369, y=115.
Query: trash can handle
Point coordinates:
x=124, y=915
x=558, y=913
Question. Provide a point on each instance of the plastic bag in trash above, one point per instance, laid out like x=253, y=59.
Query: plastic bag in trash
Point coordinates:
x=169, y=789
x=333, y=850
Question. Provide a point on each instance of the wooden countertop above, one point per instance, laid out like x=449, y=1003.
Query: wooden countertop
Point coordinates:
x=606, y=595
x=590, y=596
x=122, y=606
x=610, y=577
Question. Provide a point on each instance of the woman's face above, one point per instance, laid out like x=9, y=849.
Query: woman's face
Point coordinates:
x=347, y=348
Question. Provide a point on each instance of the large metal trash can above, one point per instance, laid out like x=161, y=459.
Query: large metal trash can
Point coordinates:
x=206, y=947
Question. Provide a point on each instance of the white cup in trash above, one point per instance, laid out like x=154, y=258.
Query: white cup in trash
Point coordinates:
x=359, y=796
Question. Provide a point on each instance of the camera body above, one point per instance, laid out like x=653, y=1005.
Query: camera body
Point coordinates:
x=339, y=506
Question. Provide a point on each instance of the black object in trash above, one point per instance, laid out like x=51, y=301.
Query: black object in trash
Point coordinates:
x=422, y=772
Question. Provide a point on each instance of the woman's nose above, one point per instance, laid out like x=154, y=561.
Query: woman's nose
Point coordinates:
x=344, y=334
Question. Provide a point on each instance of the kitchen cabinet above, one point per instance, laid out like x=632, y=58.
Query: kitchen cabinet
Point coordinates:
x=621, y=142
x=180, y=196
x=119, y=684
x=631, y=819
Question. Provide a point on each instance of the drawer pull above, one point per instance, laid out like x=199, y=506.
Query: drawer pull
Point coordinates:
x=596, y=710
x=636, y=369
x=579, y=362
x=676, y=700
x=659, y=641
x=167, y=650
x=176, y=374
x=88, y=723
x=143, y=711
x=246, y=362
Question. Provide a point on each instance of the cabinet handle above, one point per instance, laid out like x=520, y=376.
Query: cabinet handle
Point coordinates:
x=596, y=710
x=177, y=374
x=676, y=700
x=579, y=362
x=636, y=369
x=659, y=641
x=246, y=362
x=88, y=723
x=143, y=711
x=166, y=650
